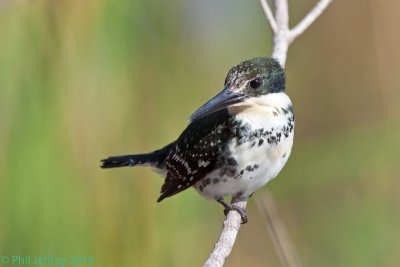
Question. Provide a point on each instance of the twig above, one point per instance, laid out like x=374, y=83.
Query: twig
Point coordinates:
x=283, y=37
x=269, y=15
x=277, y=231
x=309, y=19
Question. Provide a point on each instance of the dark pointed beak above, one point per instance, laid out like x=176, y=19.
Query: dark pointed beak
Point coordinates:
x=225, y=98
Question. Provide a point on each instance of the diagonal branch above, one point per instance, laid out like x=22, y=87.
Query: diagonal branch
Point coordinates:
x=270, y=16
x=283, y=37
x=227, y=238
x=309, y=18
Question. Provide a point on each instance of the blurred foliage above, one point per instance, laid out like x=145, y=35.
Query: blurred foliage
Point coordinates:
x=81, y=80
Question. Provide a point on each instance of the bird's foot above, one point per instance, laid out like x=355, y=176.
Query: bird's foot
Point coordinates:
x=241, y=211
x=228, y=207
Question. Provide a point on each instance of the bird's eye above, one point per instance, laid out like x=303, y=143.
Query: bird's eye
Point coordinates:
x=256, y=83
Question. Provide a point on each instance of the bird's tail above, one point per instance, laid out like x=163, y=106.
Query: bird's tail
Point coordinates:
x=155, y=159
x=127, y=160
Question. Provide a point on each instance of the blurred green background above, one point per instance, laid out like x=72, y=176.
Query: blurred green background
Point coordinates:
x=81, y=80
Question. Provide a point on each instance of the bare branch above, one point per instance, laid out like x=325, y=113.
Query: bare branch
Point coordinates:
x=283, y=37
x=227, y=238
x=280, y=47
x=270, y=16
x=309, y=18
x=282, y=14
x=280, y=40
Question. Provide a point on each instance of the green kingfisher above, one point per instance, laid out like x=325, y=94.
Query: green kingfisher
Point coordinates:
x=234, y=144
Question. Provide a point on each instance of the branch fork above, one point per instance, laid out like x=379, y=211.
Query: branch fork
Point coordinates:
x=283, y=37
x=279, y=23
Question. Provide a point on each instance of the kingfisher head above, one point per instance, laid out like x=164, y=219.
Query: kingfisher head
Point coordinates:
x=249, y=79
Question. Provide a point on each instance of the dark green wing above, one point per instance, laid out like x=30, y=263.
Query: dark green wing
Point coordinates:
x=197, y=151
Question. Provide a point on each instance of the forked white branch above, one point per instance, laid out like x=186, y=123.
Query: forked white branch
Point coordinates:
x=283, y=37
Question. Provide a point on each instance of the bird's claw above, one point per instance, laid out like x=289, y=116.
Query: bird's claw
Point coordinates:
x=228, y=207
x=241, y=211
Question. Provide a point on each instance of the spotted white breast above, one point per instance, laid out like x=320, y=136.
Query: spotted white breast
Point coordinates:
x=260, y=149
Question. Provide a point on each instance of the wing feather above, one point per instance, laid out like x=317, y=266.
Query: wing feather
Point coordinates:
x=197, y=152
